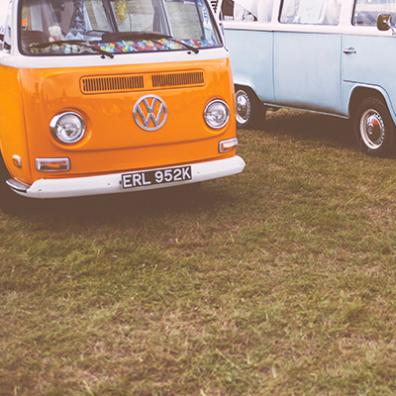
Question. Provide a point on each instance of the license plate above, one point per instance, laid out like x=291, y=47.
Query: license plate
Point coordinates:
x=154, y=177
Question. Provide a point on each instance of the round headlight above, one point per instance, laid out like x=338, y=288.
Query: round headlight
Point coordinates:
x=68, y=127
x=217, y=114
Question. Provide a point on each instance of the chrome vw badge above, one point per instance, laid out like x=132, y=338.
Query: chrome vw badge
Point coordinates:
x=150, y=113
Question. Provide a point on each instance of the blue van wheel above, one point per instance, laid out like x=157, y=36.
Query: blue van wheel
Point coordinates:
x=374, y=127
x=249, y=108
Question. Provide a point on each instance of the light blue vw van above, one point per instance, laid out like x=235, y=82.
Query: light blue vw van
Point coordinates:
x=334, y=57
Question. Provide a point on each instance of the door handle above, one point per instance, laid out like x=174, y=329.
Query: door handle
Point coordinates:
x=350, y=51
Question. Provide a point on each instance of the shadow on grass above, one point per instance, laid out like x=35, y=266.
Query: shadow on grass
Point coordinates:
x=131, y=208
x=310, y=126
x=126, y=208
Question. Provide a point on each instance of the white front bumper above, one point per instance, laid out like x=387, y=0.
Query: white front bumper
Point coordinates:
x=111, y=183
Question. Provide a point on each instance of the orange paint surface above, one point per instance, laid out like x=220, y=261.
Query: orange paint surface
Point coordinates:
x=113, y=141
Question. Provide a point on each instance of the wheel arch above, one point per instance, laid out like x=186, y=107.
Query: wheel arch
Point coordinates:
x=247, y=87
x=3, y=167
x=242, y=81
x=360, y=92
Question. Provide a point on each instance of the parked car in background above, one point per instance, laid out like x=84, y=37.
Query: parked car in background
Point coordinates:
x=108, y=96
x=334, y=57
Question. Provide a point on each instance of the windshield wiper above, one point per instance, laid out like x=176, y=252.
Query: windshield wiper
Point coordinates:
x=113, y=36
x=73, y=42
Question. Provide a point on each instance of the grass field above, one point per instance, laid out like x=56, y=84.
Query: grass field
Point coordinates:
x=280, y=281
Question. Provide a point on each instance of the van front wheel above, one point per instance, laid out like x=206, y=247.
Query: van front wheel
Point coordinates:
x=10, y=202
x=249, y=108
x=374, y=128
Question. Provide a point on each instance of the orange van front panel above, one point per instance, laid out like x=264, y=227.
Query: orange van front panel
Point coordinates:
x=13, y=141
x=106, y=98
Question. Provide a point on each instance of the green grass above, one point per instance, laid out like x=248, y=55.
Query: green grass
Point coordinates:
x=280, y=281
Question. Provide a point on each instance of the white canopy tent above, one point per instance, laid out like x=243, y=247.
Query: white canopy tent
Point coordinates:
x=294, y=11
x=5, y=17
x=260, y=9
x=4, y=5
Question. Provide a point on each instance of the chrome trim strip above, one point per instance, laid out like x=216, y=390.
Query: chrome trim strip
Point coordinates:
x=17, y=185
x=278, y=107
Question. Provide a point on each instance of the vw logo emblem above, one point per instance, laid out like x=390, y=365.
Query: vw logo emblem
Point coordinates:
x=150, y=113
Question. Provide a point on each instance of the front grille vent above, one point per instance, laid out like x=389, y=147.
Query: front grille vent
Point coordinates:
x=178, y=79
x=109, y=84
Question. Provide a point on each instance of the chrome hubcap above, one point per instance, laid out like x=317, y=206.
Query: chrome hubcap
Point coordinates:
x=372, y=129
x=244, y=107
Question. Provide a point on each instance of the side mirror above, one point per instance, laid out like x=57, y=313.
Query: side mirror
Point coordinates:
x=384, y=22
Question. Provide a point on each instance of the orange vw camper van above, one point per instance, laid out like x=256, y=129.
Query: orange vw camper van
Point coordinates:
x=107, y=96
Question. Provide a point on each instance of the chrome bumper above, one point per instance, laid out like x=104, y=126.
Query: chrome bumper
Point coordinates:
x=111, y=183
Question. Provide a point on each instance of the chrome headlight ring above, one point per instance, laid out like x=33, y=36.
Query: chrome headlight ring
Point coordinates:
x=68, y=127
x=217, y=114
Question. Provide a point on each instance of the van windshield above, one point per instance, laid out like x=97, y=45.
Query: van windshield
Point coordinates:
x=76, y=27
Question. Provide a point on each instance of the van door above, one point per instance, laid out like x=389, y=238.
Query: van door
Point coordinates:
x=370, y=55
x=307, y=55
x=249, y=38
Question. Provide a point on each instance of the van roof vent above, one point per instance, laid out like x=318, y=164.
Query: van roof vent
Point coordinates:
x=109, y=84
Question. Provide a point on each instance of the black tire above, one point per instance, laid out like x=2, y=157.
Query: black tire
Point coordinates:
x=374, y=128
x=10, y=202
x=250, y=111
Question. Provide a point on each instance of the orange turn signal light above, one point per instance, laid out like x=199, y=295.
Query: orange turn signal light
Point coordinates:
x=52, y=164
x=228, y=145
